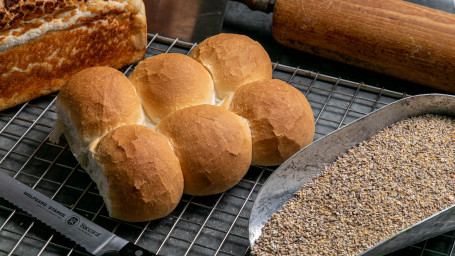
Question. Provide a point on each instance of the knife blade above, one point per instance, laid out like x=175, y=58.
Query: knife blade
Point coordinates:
x=92, y=237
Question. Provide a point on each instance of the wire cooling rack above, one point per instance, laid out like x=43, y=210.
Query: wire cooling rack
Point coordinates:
x=211, y=225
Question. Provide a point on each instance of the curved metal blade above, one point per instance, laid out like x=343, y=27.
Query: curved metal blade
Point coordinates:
x=308, y=163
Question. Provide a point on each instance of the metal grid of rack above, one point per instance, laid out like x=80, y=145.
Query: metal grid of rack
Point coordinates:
x=211, y=225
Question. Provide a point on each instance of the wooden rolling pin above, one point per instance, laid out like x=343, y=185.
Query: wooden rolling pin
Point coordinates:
x=392, y=37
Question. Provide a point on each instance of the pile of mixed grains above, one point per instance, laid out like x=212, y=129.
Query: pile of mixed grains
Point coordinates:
x=402, y=175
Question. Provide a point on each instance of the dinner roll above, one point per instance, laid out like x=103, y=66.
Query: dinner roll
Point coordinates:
x=93, y=102
x=280, y=118
x=137, y=173
x=233, y=60
x=213, y=145
x=171, y=81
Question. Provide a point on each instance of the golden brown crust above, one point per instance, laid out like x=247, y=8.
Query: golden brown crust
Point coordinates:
x=171, y=81
x=17, y=13
x=233, y=60
x=143, y=173
x=13, y=13
x=99, y=99
x=280, y=118
x=34, y=66
x=213, y=145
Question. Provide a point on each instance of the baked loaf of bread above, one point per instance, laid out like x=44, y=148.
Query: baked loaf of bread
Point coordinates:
x=166, y=130
x=44, y=42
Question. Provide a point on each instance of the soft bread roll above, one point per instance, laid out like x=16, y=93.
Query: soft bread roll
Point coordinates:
x=199, y=148
x=44, y=42
x=93, y=102
x=213, y=145
x=233, y=60
x=280, y=118
x=171, y=81
x=137, y=173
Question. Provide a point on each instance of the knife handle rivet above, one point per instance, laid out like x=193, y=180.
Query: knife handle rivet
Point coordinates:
x=131, y=249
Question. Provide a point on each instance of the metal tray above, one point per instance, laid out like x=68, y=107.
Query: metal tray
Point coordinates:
x=308, y=163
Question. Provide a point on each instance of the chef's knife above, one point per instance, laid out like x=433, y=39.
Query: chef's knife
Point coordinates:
x=95, y=239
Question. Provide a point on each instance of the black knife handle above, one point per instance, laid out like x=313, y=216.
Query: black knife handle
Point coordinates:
x=131, y=249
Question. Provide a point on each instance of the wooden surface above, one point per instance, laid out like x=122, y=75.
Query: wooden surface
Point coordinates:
x=392, y=37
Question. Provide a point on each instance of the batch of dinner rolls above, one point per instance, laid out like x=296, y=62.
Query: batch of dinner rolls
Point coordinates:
x=181, y=124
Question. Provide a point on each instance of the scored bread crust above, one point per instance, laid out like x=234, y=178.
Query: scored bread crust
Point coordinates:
x=43, y=43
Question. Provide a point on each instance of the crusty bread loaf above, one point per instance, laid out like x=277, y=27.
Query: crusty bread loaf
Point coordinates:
x=171, y=81
x=233, y=60
x=44, y=42
x=108, y=125
x=212, y=144
x=280, y=118
x=142, y=174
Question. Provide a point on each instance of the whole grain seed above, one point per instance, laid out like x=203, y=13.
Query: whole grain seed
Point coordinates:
x=399, y=177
